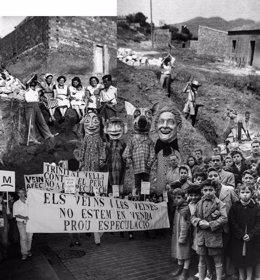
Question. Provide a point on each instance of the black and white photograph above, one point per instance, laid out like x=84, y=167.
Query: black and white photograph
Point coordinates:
x=130, y=141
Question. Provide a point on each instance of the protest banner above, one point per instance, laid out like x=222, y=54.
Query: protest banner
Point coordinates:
x=70, y=184
x=145, y=187
x=86, y=181
x=51, y=212
x=34, y=181
x=7, y=181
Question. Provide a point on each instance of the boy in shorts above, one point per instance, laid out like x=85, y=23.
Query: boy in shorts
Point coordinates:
x=208, y=219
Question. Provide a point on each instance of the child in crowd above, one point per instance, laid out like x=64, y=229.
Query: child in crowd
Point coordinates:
x=239, y=166
x=207, y=163
x=228, y=162
x=257, y=192
x=244, y=220
x=194, y=195
x=199, y=177
x=184, y=175
x=181, y=241
x=209, y=218
x=248, y=177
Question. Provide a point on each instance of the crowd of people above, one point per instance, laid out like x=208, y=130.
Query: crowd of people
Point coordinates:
x=59, y=96
x=213, y=202
x=214, y=211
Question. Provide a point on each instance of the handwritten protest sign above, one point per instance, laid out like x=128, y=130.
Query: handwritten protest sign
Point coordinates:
x=86, y=181
x=7, y=181
x=70, y=184
x=35, y=181
x=115, y=189
x=145, y=187
x=51, y=212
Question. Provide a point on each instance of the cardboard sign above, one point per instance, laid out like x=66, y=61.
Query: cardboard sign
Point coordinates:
x=145, y=187
x=115, y=189
x=34, y=181
x=86, y=181
x=7, y=181
x=51, y=212
x=70, y=184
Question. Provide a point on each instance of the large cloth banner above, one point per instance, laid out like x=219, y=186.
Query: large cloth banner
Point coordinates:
x=86, y=182
x=51, y=212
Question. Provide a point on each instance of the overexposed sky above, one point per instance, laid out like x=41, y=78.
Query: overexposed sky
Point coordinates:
x=7, y=24
x=175, y=11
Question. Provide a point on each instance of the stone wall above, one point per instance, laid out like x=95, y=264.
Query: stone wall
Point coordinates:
x=193, y=44
x=31, y=33
x=73, y=43
x=161, y=37
x=71, y=46
x=212, y=41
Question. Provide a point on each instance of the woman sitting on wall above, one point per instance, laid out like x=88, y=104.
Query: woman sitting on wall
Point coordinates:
x=77, y=94
x=93, y=93
x=48, y=99
x=61, y=93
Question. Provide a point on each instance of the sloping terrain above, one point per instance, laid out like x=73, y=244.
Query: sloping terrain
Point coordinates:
x=214, y=22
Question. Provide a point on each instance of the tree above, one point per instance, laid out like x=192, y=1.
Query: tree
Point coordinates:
x=140, y=18
x=130, y=18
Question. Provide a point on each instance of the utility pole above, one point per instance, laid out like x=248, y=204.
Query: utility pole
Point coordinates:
x=151, y=10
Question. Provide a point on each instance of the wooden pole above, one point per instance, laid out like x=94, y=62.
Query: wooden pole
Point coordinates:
x=29, y=130
x=151, y=11
x=7, y=204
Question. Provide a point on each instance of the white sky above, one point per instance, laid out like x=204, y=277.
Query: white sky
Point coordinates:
x=13, y=12
x=175, y=11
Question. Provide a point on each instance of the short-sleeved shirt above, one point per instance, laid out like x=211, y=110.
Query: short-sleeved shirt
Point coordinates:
x=20, y=208
x=32, y=95
x=109, y=95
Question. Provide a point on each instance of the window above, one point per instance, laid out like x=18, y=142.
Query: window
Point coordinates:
x=234, y=44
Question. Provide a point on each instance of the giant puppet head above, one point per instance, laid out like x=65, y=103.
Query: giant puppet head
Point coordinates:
x=168, y=123
x=115, y=128
x=91, y=124
x=142, y=116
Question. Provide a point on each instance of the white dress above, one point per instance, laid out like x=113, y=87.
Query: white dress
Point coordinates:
x=79, y=97
x=63, y=94
x=94, y=97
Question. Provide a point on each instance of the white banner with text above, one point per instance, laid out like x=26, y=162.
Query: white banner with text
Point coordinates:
x=86, y=181
x=51, y=212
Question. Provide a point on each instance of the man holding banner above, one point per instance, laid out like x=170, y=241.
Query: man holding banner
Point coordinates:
x=20, y=212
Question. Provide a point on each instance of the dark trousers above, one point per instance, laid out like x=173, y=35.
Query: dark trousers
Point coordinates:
x=33, y=111
x=240, y=127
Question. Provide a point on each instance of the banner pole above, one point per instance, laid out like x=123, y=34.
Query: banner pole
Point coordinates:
x=7, y=203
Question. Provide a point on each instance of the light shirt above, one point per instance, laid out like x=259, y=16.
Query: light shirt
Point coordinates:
x=166, y=69
x=94, y=97
x=20, y=208
x=32, y=95
x=109, y=95
x=192, y=95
